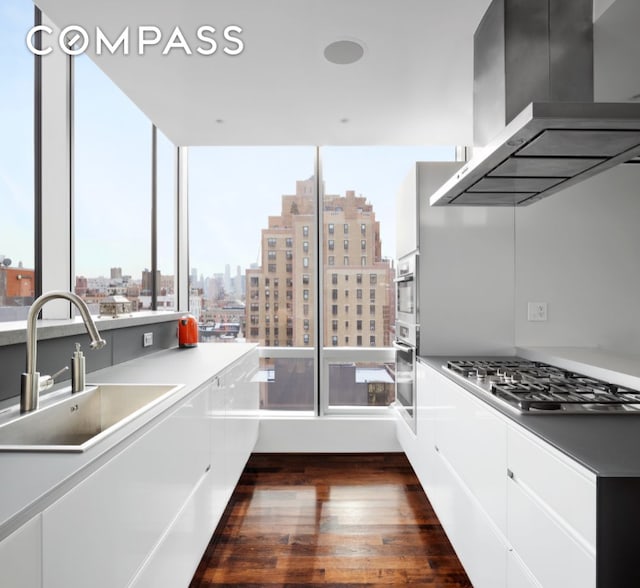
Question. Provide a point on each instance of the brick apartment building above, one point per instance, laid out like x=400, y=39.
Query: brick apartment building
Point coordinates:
x=357, y=282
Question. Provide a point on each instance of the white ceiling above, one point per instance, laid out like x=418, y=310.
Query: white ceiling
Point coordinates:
x=413, y=85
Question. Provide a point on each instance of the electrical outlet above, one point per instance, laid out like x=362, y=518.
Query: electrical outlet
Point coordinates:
x=537, y=311
x=147, y=340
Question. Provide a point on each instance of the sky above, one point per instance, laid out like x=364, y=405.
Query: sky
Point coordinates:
x=16, y=123
x=232, y=190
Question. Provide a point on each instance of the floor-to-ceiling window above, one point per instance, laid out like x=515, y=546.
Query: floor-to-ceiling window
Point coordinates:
x=17, y=264
x=166, y=286
x=112, y=191
x=257, y=274
x=253, y=260
x=359, y=240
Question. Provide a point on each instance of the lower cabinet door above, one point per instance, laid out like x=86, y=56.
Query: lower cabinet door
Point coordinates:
x=176, y=558
x=241, y=415
x=555, y=558
x=100, y=533
x=475, y=538
x=21, y=556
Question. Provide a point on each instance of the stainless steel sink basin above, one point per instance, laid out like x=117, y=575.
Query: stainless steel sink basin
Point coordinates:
x=75, y=422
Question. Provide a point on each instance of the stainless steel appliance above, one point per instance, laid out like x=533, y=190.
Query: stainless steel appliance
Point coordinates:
x=407, y=300
x=534, y=114
x=406, y=382
x=406, y=341
x=533, y=387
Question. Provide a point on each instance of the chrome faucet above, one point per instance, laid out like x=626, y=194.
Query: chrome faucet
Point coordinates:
x=32, y=383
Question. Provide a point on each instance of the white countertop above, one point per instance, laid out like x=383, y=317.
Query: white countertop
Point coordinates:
x=32, y=480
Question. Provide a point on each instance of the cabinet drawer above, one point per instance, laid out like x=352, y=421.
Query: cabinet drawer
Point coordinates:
x=558, y=483
x=480, y=546
x=21, y=556
x=554, y=557
x=473, y=439
x=100, y=532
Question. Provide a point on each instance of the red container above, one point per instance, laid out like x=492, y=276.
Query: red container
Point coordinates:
x=187, y=331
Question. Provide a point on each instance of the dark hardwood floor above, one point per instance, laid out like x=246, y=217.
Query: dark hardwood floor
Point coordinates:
x=329, y=520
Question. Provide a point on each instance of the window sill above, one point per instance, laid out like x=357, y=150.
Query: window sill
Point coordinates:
x=15, y=332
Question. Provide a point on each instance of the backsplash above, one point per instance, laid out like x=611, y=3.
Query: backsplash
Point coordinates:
x=53, y=354
x=578, y=252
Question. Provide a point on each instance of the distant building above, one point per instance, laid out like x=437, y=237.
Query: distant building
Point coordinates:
x=17, y=286
x=358, y=283
x=81, y=287
x=146, y=287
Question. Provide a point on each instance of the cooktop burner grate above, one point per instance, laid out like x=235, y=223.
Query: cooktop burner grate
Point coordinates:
x=531, y=386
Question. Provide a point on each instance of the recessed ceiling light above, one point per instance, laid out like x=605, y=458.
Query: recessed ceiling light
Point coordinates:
x=219, y=120
x=344, y=121
x=343, y=52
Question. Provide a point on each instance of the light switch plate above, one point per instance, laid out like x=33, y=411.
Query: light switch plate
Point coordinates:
x=147, y=340
x=537, y=311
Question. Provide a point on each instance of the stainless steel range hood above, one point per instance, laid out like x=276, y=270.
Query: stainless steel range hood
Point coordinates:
x=533, y=98
x=546, y=148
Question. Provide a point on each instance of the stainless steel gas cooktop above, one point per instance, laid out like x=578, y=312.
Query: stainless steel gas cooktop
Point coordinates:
x=533, y=387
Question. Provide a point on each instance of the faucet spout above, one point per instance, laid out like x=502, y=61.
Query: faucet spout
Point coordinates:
x=31, y=382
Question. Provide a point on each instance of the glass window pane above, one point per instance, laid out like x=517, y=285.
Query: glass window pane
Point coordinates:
x=257, y=229
x=166, y=235
x=17, y=275
x=361, y=383
x=360, y=188
x=112, y=191
x=284, y=383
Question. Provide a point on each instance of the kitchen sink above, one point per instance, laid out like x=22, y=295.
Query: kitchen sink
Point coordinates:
x=75, y=422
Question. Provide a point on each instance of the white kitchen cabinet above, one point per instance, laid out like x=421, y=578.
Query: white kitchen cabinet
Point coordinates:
x=518, y=512
x=21, y=556
x=174, y=560
x=219, y=482
x=477, y=541
x=459, y=456
x=145, y=517
x=102, y=531
x=471, y=488
x=241, y=415
x=420, y=446
x=232, y=418
x=473, y=439
x=551, y=510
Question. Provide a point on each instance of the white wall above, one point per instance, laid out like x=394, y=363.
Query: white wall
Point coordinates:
x=327, y=435
x=579, y=251
x=466, y=279
x=616, y=52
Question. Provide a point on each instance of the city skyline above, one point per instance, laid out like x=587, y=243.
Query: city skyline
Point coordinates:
x=111, y=175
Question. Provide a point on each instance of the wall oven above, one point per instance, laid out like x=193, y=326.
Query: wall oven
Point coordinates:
x=406, y=291
x=406, y=382
x=406, y=339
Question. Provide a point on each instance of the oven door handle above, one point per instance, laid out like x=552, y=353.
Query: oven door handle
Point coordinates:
x=406, y=278
x=403, y=347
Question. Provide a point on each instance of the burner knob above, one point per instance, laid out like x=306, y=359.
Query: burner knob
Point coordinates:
x=481, y=374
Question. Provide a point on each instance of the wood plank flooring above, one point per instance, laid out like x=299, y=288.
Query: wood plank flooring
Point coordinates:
x=329, y=520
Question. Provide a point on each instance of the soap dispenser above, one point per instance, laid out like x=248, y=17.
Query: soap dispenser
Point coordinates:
x=77, y=370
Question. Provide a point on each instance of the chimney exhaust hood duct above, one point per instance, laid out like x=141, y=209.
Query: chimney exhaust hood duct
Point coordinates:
x=536, y=127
